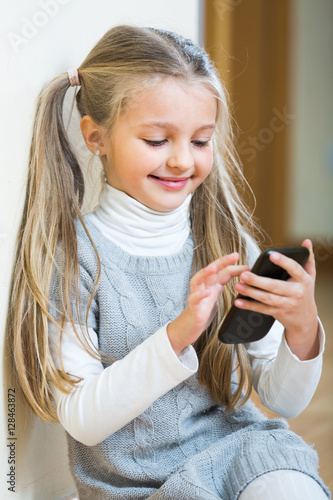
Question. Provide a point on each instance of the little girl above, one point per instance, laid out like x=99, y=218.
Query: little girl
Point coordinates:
x=114, y=315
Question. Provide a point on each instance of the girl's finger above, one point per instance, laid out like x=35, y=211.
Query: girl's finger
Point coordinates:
x=252, y=281
x=214, y=267
x=294, y=269
x=202, y=276
x=254, y=306
x=198, y=295
x=226, y=260
x=310, y=266
x=230, y=272
x=268, y=297
x=205, y=271
x=222, y=278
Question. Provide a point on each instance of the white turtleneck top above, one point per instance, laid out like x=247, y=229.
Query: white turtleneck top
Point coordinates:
x=138, y=229
x=284, y=383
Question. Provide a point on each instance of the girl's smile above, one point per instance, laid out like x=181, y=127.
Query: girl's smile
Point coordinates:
x=170, y=182
x=160, y=149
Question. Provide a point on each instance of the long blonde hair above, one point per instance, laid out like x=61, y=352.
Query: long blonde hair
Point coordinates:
x=124, y=60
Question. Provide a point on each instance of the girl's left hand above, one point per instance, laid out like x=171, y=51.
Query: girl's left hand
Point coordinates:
x=290, y=302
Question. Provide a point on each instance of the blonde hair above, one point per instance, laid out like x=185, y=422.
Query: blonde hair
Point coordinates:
x=125, y=59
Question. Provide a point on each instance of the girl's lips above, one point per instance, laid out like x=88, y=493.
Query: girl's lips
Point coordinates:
x=170, y=182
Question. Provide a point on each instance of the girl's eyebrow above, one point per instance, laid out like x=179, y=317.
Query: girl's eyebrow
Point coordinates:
x=168, y=125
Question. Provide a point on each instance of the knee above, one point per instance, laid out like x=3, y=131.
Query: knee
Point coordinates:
x=283, y=485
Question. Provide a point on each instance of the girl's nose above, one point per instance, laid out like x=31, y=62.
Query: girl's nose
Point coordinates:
x=181, y=157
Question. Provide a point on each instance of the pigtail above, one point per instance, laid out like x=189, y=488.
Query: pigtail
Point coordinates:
x=54, y=195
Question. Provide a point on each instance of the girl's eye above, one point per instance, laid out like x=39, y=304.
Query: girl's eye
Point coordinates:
x=198, y=144
x=201, y=144
x=155, y=143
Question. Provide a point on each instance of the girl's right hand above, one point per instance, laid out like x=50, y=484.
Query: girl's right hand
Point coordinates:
x=206, y=287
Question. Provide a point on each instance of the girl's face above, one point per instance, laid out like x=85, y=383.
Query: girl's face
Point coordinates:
x=160, y=149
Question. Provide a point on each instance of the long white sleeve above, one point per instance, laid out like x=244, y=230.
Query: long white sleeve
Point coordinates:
x=107, y=399
x=284, y=383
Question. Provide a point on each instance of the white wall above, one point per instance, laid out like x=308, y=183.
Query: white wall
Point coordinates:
x=40, y=39
x=311, y=174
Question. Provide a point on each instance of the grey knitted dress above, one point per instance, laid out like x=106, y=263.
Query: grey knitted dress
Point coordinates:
x=184, y=446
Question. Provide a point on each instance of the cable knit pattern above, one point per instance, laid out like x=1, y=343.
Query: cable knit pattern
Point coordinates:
x=183, y=447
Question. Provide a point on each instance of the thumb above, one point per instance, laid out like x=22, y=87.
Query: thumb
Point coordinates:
x=310, y=266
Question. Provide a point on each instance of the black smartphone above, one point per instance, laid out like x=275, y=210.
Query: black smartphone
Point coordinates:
x=241, y=326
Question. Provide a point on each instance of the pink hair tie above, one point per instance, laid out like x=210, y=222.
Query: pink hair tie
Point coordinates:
x=73, y=76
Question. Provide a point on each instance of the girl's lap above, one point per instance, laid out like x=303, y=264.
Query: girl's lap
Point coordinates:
x=247, y=465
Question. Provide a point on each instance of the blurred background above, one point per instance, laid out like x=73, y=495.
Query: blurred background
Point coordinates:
x=275, y=58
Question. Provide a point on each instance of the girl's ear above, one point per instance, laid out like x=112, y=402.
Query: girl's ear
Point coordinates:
x=92, y=134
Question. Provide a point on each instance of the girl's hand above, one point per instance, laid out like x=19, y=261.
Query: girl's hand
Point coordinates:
x=206, y=286
x=291, y=302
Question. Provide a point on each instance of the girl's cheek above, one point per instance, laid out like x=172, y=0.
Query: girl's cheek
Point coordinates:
x=209, y=167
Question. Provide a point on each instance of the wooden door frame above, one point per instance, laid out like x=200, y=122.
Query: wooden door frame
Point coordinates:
x=248, y=41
